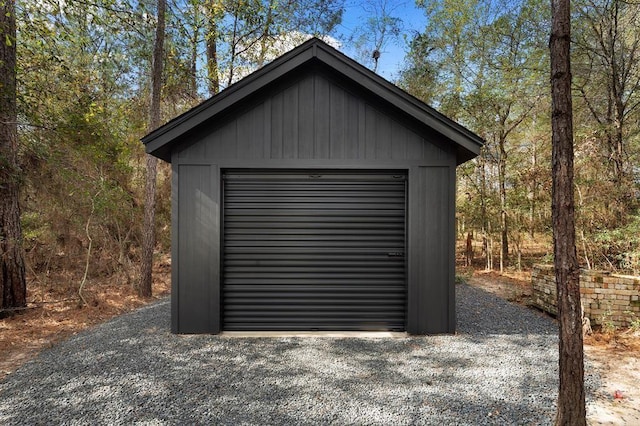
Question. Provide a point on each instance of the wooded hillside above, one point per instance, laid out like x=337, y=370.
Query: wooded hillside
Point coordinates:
x=83, y=94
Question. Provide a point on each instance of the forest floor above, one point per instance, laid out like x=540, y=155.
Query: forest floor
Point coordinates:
x=55, y=315
x=54, y=311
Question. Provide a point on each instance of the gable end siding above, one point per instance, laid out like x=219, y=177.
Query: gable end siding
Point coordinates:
x=312, y=119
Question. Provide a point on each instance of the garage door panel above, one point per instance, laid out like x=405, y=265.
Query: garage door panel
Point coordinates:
x=272, y=214
x=260, y=301
x=265, y=245
x=303, y=282
x=303, y=261
x=312, y=230
x=319, y=268
x=335, y=316
x=314, y=251
x=318, y=207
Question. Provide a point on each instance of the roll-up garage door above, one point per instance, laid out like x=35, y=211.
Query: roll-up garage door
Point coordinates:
x=314, y=251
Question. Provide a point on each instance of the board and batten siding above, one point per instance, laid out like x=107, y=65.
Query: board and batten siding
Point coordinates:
x=312, y=123
x=195, y=223
x=431, y=250
x=312, y=119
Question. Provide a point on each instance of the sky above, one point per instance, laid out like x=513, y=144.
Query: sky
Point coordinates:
x=392, y=55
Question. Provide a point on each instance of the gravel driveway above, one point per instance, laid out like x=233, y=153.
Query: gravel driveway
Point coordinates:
x=501, y=368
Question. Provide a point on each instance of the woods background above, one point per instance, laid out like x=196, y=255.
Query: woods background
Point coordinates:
x=83, y=94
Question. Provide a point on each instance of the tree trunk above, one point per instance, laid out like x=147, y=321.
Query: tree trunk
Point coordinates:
x=13, y=288
x=233, y=46
x=468, y=253
x=193, y=60
x=148, y=233
x=212, y=50
x=483, y=210
x=618, y=93
x=504, y=224
x=571, y=398
x=534, y=190
x=266, y=34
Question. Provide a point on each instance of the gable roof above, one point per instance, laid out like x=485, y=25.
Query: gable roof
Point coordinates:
x=160, y=141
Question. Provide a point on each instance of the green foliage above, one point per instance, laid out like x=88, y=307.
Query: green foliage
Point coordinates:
x=606, y=323
x=79, y=143
x=247, y=35
x=34, y=228
x=620, y=246
x=634, y=325
x=485, y=64
x=83, y=96
x=460, y=279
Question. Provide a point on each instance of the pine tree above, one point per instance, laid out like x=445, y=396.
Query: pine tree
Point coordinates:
x=148, y=233
x=571, y=397
x=13, y=291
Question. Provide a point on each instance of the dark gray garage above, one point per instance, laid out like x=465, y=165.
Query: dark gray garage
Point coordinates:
x=313, y=195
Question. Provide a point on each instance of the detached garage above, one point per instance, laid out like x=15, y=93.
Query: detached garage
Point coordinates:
x=313, y=195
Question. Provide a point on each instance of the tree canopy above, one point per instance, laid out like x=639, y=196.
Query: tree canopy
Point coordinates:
x=84, y=89
x=484, y=63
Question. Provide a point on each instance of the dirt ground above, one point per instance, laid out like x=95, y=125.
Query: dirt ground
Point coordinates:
x=54, y=312
x=56, y=315
x=616, y=356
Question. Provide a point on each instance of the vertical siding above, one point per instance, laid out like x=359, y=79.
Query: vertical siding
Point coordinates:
x=370, y=137
x=196, y=307
x=277, y=126
x=251, y=134
x=175, y=254
x=265, y=131
x=290, y=125
x=399, y=147
x=322, y=118
x=431, y=298
x=362, y=132
x=338, y=117
x=313, y=118
x=416, y=146
x=306, y=110
x=228, y=136
x=384, y=137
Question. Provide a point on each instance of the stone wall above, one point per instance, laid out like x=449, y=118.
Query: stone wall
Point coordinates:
x=606, y=298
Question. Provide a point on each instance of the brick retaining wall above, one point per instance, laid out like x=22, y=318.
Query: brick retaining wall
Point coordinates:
x=606, y=298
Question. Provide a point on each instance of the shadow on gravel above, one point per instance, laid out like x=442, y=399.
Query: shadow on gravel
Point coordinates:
x=499, y=369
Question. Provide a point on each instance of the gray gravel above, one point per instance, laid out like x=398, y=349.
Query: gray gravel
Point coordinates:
x=501, y=368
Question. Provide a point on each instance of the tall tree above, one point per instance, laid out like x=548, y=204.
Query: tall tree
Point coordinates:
x=13, y=289
x=571, y=402
x=251, y=33
x=80, y=114
x=607, y=45
x=488, y=60
x=214, y=13
x=148, y=235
